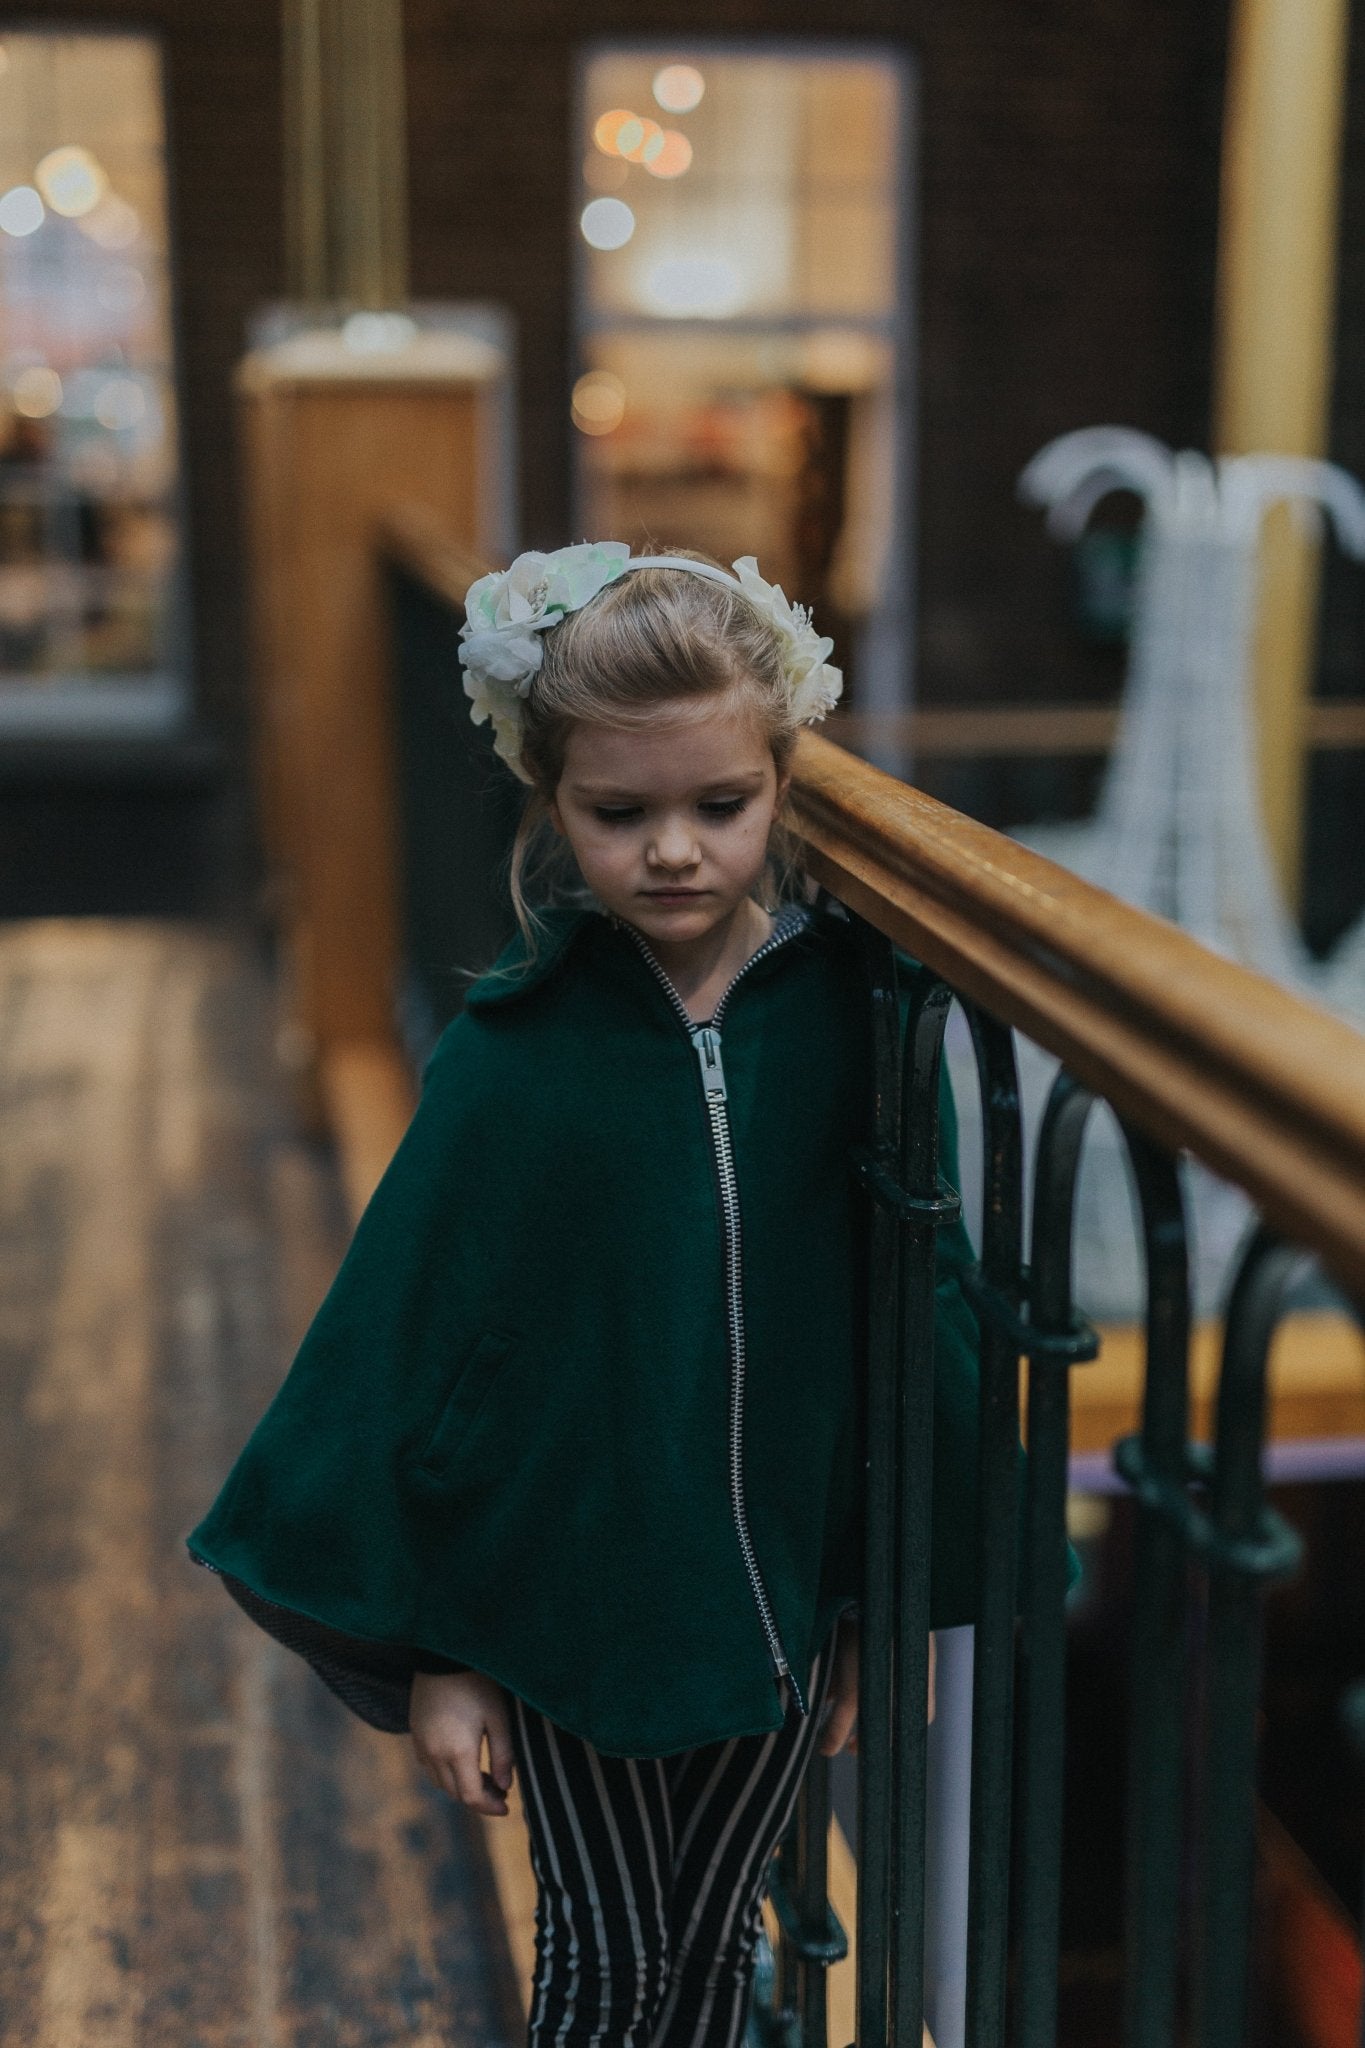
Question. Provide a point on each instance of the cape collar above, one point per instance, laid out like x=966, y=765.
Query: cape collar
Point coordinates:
x=516, y=972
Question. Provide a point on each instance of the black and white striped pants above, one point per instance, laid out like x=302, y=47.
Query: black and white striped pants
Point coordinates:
x=650, y=1874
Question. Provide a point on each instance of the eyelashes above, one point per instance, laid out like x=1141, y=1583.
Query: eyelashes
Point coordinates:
x=627, y=814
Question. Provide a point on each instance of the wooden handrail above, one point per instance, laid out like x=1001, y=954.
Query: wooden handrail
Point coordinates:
x=1201, y=1053
x=1264, y=1087
x=420, y=542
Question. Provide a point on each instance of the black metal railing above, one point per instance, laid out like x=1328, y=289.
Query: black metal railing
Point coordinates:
x=1202, y=1510
x=1353, y=1719
x=1207, y=1537
x=456, y=813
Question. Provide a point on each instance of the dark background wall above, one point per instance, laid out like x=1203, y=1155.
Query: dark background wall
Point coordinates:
x=222, y=73
x=1067, y=199
x=1067, y=193
x=171, y=827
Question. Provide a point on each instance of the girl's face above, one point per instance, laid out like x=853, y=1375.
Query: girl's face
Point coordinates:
x=670, y=825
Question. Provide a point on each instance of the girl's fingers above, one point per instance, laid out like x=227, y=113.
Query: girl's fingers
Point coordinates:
x=469, y=1779
x=494, y=1799
x=500, y=1761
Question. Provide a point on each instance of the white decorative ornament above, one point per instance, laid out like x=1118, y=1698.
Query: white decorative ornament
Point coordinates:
x=1178, y=829
x=815, y=686
x=507, y=612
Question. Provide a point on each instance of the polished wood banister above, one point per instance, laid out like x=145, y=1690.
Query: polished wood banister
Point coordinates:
x=419, y=540
x=1202, y=1053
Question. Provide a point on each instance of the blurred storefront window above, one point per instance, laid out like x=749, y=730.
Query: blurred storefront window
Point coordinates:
x=89, y=532
x=744, y=326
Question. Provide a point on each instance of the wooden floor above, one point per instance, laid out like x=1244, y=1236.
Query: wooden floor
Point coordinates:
x=199, y=1847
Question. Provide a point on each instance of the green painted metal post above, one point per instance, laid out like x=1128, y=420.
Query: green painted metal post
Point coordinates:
x=1246, y=1546
x=1155, y=1465
x=878, y=1778
x=998, y=1300
x=1056, y=1340
x=925, y=1203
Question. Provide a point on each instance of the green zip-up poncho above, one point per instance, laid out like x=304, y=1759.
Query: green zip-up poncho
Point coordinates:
x=505, y=1437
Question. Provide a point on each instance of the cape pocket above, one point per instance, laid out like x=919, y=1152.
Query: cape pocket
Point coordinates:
x=473, y=1385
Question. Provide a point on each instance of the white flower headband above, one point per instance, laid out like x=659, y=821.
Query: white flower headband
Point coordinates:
x=507, y=613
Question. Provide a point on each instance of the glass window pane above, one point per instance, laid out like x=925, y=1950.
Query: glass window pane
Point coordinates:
x=740, y=220
x=89, y=540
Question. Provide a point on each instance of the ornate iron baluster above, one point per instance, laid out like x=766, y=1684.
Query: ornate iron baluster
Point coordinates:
x=910, y=1202
x=877, y=1775
x=996, y=1293
x=1054, y=1340
x=1353, y=1717
x=1155, y=1465
x=1247, y=1545
x=924, y=1202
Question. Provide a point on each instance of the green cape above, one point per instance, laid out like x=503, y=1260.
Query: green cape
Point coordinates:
x=504, y=1437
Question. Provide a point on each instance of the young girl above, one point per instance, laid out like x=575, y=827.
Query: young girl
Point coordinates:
x=567, y=1468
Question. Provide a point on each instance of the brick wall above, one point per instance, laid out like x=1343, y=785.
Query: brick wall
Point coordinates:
x=1068, y=179
x=1067, y=173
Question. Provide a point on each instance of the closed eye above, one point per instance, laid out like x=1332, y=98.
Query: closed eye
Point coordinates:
x=625, y=814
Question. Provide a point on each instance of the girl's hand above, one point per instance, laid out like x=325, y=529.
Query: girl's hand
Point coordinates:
x=840, y=1729
x=451, y=1715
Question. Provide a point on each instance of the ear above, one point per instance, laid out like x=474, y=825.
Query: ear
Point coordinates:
x=784, y=783
x=553, y=814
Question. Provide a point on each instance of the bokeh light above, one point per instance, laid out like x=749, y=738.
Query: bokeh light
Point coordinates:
x=673, y=158
x=36, y=392
x=640, y=140
x=607, y=223
x=377, y=334
x=599, y=402
x=71, y=180
x=114, y=224
x=604, y=173
x=120, y=403
x=607, y=128
x=678, y=88
x=696, y=287
x=21, y=210
x=122, y=288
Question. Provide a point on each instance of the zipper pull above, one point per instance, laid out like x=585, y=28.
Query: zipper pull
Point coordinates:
x=706, y=1042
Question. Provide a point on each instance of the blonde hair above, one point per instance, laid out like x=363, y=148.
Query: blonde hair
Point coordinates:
x=652, y=637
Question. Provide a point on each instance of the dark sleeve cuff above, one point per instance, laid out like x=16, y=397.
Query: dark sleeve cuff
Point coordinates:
x=427, y=1660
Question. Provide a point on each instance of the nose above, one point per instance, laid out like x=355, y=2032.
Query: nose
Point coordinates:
x=674, y=846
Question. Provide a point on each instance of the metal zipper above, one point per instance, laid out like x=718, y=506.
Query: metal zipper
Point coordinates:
x=705, y=1040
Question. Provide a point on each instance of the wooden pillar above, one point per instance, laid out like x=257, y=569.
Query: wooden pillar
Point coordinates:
x=1276, y=292
x=345, y=134
x=332, y=442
